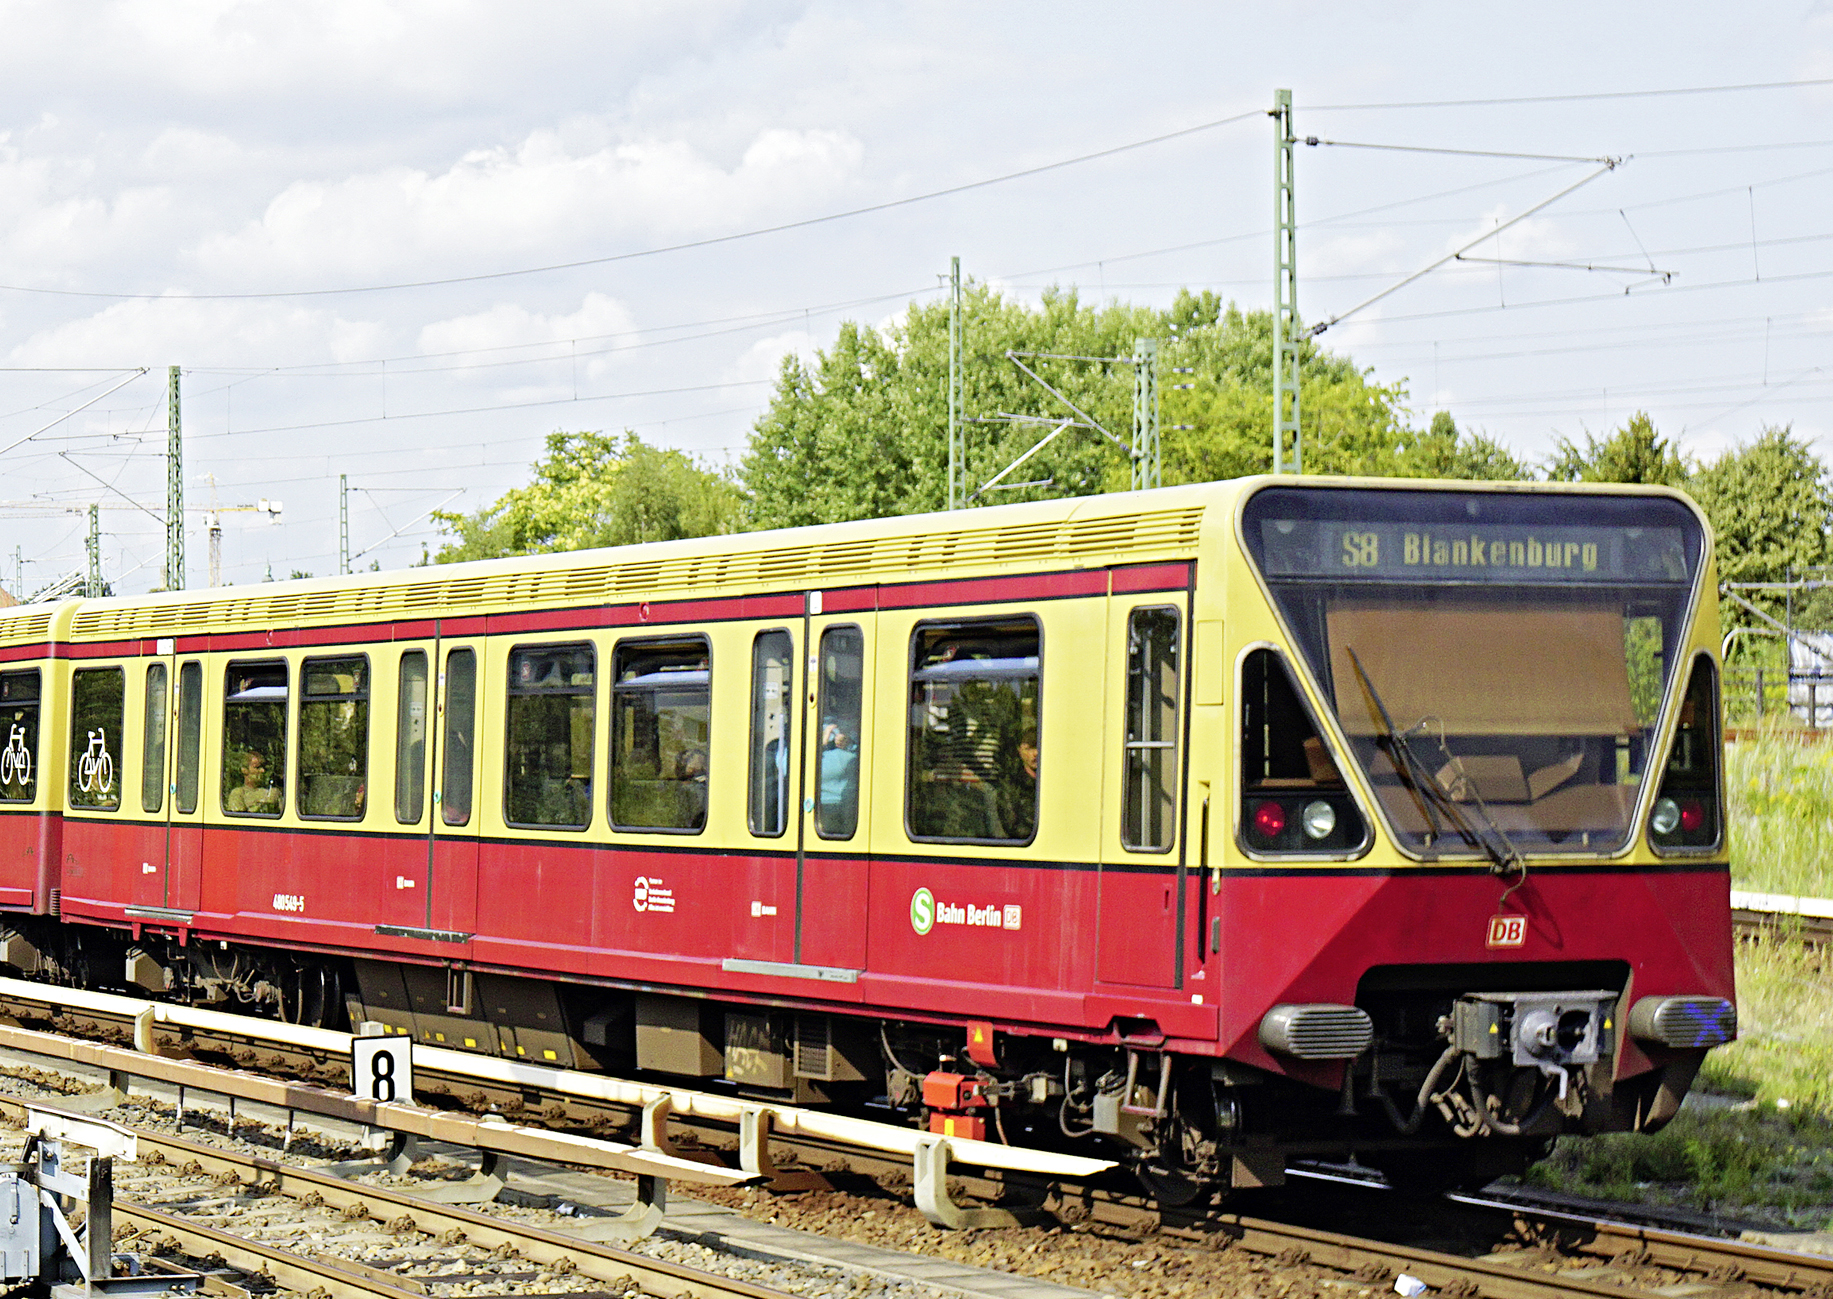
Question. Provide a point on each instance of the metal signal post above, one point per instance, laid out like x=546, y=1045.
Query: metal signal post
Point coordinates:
x=1148, y=467
x=174, y=488
x=957, y=435
x=1285, y=290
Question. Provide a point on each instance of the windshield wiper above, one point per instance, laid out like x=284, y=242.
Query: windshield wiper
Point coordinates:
x=1427, y=792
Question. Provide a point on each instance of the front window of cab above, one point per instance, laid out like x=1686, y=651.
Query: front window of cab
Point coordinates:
x=1496, y=660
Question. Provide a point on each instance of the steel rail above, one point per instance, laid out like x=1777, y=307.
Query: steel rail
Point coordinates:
x=1291, y=1244
x=538, y=1245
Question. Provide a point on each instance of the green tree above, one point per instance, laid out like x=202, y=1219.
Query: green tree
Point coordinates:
x=1632, y=454
x=594, y=489
x=861, y=430
x=1771, y=507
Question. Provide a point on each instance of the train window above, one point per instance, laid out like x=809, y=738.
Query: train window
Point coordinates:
x=410, y=739
x=973, y=757
x=19, y=759
x=152, y=740
x=551, y=696
x=1148, y=809
x=1685, y=817
x=1293, y=797
x=190, y=733
x=98, y=700
x=660, y=722
x=460, y=691
x=773, y=664
x=842, y=666
x=254, y=738
x=334, y=738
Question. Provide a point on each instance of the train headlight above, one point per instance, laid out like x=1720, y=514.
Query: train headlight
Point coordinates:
x=1319, y=819
x=1665, y=819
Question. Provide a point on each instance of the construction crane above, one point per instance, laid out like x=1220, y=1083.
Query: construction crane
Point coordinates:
x=213, y=524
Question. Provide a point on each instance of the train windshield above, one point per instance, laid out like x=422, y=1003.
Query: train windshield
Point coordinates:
x=1497, y=660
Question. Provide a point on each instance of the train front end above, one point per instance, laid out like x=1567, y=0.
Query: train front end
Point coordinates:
x=1477, y=894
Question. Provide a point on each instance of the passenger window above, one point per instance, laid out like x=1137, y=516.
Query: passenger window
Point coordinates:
x=1149, y=804
x=461, y=728
x=334, y=739
x=549, y=776
x=410, y=739
x=152, y=740
x=842, y=665
x=974, y=732
x=190, y=733
x=659, y=733
x=98, y=700
x=772, y=690
x=1293, y=797
x=254, y=738
x=19, y=759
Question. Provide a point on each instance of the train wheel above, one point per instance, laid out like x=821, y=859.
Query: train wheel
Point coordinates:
x=1172, y=1186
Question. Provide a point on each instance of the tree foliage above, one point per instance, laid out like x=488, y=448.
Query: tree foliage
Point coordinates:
x=1771, y=507
x=1634, y=453
x=595, y=489
x=861, y=431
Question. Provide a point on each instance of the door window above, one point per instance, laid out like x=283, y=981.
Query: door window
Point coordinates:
x=152, y=743
x=461, y=729
x=772, y=691
x=190, y=733
x=1149, y=803
x=842, y=667
x=410, y=739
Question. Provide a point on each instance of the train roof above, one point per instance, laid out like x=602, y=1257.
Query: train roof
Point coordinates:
x=1071, y=532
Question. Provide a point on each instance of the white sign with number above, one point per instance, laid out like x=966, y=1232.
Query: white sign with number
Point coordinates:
x=382, y=1068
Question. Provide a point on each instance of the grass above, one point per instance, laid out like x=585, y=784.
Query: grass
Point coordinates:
x=1757, y=1138
x=1780, y=791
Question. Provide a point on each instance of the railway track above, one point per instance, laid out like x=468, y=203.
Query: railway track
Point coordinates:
x=1808, y=920
x=1536, y=1253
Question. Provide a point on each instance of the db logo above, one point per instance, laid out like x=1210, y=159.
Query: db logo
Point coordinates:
x=1507, y=931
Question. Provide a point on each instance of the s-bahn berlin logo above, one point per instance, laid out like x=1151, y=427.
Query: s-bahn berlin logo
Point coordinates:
x=926, y=913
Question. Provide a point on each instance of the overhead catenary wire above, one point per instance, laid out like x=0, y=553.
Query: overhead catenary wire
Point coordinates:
x=1579, y=97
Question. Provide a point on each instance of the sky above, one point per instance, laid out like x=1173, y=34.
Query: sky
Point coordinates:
x=402, y=242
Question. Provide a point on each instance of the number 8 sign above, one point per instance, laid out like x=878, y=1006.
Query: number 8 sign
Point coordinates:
x=382, y=1068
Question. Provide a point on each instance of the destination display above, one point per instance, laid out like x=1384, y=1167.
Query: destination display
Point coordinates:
x=1387, y=551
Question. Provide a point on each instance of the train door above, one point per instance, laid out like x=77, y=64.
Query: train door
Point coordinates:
x=832, y=849
x=184, y=820
x=451, y=894
x=1141, y=874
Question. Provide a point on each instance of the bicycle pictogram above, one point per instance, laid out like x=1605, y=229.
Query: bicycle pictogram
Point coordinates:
x=95, y=770
x=16, y=759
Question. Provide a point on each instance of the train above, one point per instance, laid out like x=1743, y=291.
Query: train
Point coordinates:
x=1212, y=828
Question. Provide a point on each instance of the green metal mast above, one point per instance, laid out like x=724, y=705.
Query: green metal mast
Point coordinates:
x=1148, y=466
x=93, y=587
x=1285, y=291
x=174, y=487
x=957, y=434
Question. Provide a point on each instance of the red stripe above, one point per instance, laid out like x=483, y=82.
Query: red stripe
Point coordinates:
x=1151, y=577
x=995, y=590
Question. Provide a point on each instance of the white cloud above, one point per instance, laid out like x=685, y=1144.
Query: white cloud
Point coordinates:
x=159, y=331
x=761, y=359
x=536, y=200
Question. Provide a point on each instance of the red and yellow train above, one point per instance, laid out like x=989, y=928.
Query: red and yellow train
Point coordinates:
x=1219, y=825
